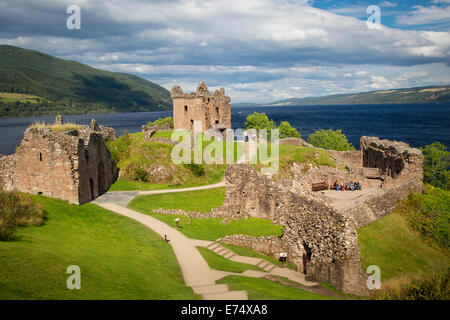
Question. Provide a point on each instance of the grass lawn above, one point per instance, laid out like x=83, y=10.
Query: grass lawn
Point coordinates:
x=218, y=262
x=390, y=244
x=202, y=201
x=250, y=253
x=163, y=134
x=263, y=289
x=118, y=257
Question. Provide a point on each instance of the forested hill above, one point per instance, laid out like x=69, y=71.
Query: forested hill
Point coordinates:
x=432, y=94
x=33, y=83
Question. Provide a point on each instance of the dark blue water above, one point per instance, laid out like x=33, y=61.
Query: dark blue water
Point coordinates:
x=417, y=125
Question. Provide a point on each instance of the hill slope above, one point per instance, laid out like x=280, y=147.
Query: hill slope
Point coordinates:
x=33, y=83
x=410, y=95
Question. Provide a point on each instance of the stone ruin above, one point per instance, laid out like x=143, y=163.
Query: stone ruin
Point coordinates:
x=213, y=110
x=313, y=226
x=72, y=165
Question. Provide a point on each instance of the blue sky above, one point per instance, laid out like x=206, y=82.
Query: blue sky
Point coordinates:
x=259, y=50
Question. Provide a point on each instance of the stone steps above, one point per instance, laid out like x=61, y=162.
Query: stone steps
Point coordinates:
x=230, y=295
x=215, y=288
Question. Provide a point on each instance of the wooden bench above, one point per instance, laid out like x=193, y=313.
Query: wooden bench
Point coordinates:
x=319, y=186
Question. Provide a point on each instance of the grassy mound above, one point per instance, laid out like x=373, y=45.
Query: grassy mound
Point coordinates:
x=118, y=257
x=390, y=244
x=148, y=165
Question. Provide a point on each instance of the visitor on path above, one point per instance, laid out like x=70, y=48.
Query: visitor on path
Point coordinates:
x=351, y=186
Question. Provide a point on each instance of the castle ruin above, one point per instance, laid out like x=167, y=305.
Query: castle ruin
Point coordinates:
x=314, y=224
x=73, y=165
x=213, y=110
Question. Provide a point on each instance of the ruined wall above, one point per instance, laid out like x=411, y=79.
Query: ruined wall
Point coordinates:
x=294, y=142
x=212, y=109
x=347, y=158
x=325, y=235
x=391, y=157
x=71, y=165
x=270, y=246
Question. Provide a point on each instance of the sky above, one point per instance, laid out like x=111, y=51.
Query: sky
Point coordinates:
x=258, y=50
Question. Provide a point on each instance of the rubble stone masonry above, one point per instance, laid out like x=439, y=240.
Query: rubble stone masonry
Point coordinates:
x=72, y=165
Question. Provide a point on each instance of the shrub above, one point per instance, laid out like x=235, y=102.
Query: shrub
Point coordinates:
x=287, y=131
x=436, y=165
x=17, y=210
x=140, y=175
x=162, y=121
x=331, y=140
x=197, y=169
x=428, y=214
x=432, y=286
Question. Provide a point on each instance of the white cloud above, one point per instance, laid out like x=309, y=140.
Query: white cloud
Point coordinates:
x=387, y=4
x=425, y=15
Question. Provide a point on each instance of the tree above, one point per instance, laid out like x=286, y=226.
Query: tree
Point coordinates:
x=259, y=121
x=287, y=131
x=436, y=165
x=331, y=140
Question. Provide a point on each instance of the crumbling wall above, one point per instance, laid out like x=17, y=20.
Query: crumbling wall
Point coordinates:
x=213, y=110
x=72, y=165
x=391, y=157
x=270, y=246
x=325, y=235
x=347, y=158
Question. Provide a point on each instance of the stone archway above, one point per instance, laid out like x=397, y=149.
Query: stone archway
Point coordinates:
x=101, y=178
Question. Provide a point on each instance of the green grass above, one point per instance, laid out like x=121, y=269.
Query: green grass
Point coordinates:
x=217, y=262
x=250, y=253
x=199, y=200
x=138, y=161
x=163, y=134
x=202, y=201
x=119, y=258
x=263, y=289
x=390, y=244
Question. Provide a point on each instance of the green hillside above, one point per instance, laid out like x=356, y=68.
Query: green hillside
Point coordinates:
x=433, y=94
x=33, y=83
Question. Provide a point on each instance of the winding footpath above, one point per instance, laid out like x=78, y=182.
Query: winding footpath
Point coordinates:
x=196, y=272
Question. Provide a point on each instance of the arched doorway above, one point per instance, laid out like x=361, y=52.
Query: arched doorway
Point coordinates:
x=101, y=178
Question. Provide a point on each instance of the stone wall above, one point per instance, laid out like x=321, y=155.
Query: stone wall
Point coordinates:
x=294, y=142
x=270, y=246
x=213, y=110
x=391, y=157
x=71, y=165
x=325, y=235
x=347, y=158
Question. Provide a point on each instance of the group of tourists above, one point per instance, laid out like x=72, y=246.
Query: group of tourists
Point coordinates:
x=352, y=186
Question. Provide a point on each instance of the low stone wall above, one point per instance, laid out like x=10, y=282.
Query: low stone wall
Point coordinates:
x=190, y=214
x=347, y=158
x=380, y=202
x=295, y=142
x=270, y=246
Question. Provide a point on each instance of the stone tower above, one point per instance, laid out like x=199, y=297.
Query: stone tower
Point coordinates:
x=212, y=109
